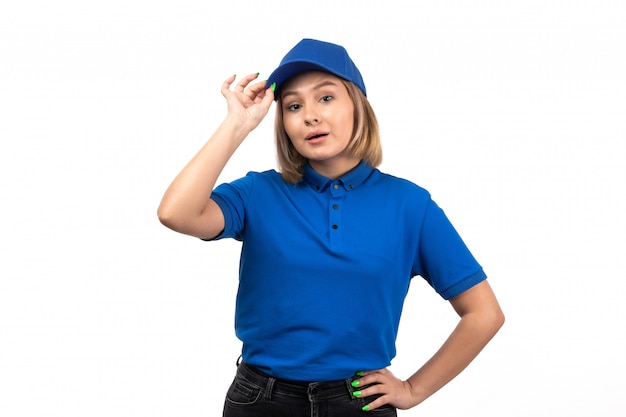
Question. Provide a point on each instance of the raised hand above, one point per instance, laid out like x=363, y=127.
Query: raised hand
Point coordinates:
x=249, y=103
x=186, y=206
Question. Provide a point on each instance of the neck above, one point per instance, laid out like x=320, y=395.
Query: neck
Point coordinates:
x=334, y=171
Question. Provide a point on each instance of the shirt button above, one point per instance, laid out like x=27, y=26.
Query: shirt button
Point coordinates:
x=335, y=226
x=351, y=186
x=335, y=206
x=336, y=187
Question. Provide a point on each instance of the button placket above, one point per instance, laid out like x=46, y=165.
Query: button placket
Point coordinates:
x=337, y=193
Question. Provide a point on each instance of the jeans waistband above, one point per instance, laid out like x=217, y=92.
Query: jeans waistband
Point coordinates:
x=270, y=384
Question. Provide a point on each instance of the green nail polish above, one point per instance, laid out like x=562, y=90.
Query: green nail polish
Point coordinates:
x=365, y=408
x=359, y=373
x=273, y=87
x=355, y=383
x=356, y=393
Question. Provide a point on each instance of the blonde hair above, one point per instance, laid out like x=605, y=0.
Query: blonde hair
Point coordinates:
x=365, y=143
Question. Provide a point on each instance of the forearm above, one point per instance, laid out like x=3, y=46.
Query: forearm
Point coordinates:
x=188, y=194
x=470, y=336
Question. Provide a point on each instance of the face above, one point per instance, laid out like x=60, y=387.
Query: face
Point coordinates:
x=318, y=116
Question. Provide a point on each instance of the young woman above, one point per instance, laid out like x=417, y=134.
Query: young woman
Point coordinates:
x=330, y=245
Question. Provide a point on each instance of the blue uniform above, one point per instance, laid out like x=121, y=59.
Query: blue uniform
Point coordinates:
x=326, y=265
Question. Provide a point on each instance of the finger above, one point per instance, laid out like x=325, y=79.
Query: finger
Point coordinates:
x=266, y=99
x=227, y=83
x=269, y=95
x=367, y=390
x=378, y=402
x=246, y=80
x=261, y=93
x=375, y=371
x=256, y=89
x=372, y=377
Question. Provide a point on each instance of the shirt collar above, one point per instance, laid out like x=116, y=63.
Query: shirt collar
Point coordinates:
x=350, y=180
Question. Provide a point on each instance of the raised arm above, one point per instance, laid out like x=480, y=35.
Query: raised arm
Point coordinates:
x=186, y=206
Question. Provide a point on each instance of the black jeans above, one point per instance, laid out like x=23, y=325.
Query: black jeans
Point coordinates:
x=255, y=394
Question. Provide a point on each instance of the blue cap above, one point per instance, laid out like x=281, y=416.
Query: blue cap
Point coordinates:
x=314, y=55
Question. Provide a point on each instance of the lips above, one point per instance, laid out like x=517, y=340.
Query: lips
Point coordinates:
x=315, y=135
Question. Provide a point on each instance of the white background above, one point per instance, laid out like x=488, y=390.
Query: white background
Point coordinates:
x=512, y=113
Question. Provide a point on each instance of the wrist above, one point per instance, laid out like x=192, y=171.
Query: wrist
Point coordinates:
x=416, y=392
x=236, y=125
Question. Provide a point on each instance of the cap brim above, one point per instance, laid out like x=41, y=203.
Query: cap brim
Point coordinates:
x=290, y=69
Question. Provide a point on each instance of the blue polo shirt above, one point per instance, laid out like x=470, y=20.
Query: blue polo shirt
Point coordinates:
x=326, y=265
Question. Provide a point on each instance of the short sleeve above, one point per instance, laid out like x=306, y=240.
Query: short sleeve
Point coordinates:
x=446, y=262
x=232, y=199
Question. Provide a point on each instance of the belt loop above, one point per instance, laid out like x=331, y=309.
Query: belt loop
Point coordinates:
x=350, y=389
x=267, y=396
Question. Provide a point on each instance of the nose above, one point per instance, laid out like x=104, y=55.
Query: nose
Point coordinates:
x=311, y=118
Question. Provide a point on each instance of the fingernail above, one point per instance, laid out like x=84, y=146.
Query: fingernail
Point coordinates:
x=273, y=87
x=365, y=408
x=355, y=383
x=356, y=393
x=359, y=373
x=257, y=74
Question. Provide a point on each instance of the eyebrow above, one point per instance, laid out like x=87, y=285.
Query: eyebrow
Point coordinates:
x=316, y=87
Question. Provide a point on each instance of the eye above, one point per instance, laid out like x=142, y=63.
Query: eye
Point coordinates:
x=326, y=98
x=293, y=107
